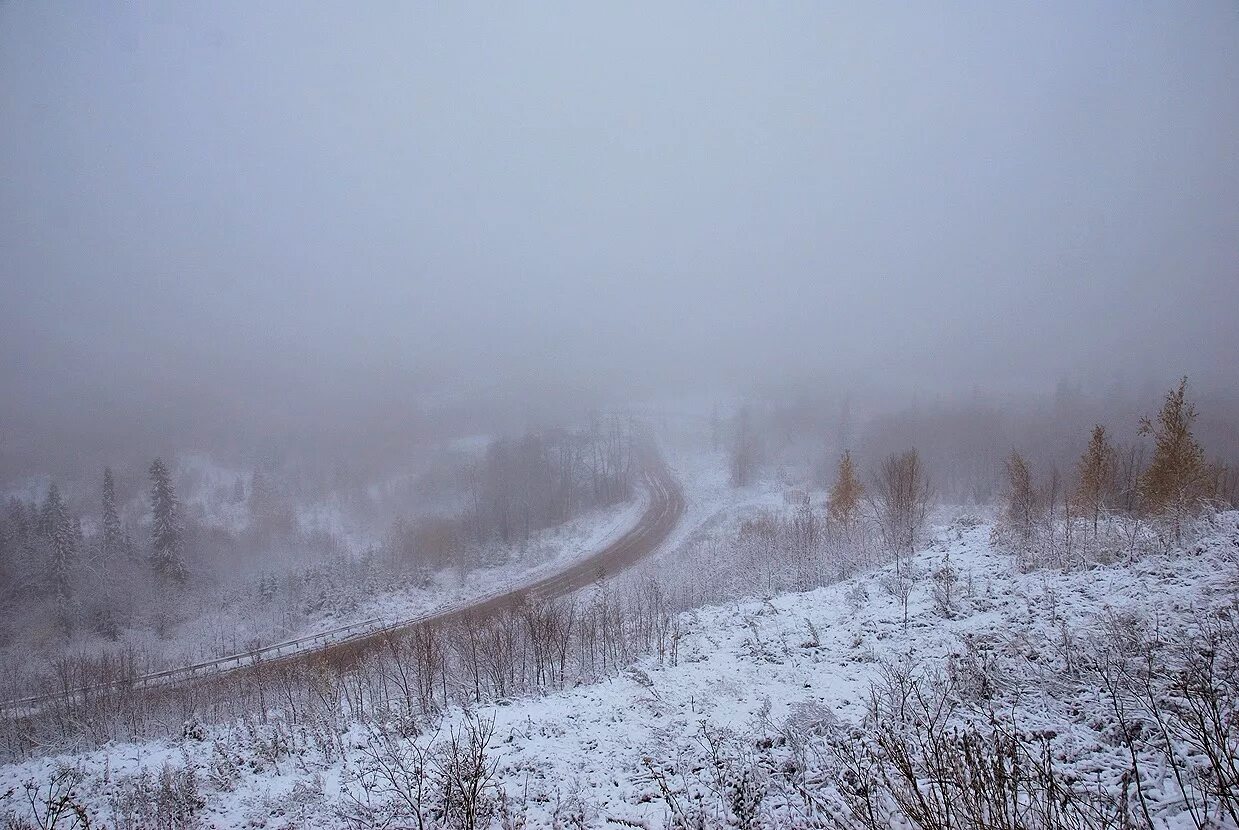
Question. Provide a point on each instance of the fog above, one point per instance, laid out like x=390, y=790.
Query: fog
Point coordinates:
x=699, y=414
x=228, y=218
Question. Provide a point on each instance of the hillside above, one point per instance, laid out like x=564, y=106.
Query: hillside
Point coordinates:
x=746, y=711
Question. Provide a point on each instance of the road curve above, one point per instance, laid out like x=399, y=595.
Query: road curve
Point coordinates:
x=347, y=644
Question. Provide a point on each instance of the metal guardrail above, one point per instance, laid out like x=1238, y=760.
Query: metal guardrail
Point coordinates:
x=343, y=635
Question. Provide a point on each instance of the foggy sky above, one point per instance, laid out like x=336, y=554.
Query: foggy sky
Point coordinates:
x=267, y=206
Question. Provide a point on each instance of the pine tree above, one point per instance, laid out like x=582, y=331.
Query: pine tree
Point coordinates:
x=8, y=558
x=1178, y=478
x=166, y=539
x=113, y=535
x=1098, y=471
x=846, y=495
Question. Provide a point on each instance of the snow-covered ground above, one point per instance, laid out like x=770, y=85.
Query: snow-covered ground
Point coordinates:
x=546, y=552
x=797, y=664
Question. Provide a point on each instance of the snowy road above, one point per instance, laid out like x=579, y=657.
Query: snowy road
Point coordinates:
x=665, y=505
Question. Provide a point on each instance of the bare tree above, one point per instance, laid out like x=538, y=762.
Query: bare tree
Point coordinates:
x=1131, y=468
x=900, y=500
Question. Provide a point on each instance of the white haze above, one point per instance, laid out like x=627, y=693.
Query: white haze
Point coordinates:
x=241, y=213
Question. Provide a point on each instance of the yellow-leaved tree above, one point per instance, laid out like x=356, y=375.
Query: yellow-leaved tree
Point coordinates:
x=1177, y=479
x=1098, y=473
x=845, y=497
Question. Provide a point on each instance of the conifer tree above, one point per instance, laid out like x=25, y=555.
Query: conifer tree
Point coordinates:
x=1098, y=472
x=45, y=522
x=166, y=538
x=22, y=521
x=8, y=554
x=1177, y=478
x=846, y=495
x=63, y=547
x=113, y=535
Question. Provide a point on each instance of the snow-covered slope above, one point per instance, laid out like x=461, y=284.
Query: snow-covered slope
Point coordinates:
x=747, y=679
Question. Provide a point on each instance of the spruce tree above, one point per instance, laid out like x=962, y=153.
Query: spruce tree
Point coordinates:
x=62, y=536
x=8, y=556
x=113, y=535
x=45, y=523
x=166, y=538
x=22, y=521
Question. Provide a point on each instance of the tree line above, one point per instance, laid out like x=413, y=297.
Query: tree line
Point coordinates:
x=1160, y=496
x=45, y=554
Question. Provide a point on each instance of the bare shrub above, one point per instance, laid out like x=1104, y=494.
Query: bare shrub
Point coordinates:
x=1177, y=699
x=913, y=763
x=463, y=773
x=857, y=597
x=169, y=801
x=388, y=784
x=425, y=781
x=943, y=587
x=900, y=583
x=54, y=804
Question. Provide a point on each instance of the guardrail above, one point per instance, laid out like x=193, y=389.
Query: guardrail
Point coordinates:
x=353, y=632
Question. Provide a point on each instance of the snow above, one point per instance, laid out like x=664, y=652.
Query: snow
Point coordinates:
x=547, y=552
x=751, y=667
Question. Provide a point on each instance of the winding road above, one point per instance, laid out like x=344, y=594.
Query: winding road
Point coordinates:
x=665, y=505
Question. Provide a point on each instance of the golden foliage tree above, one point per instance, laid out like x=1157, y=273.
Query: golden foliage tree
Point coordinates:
x=1021, y=498
x=846, y=495
x=1098, y=473
x=1177, y=479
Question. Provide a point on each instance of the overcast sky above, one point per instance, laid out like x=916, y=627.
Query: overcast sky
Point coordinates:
x=236, y=201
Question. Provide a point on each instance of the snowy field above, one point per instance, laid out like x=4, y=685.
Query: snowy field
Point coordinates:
x=755, y=679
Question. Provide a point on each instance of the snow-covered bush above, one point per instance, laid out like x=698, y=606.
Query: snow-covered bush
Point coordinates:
x=169, y=801
x=440, y=779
